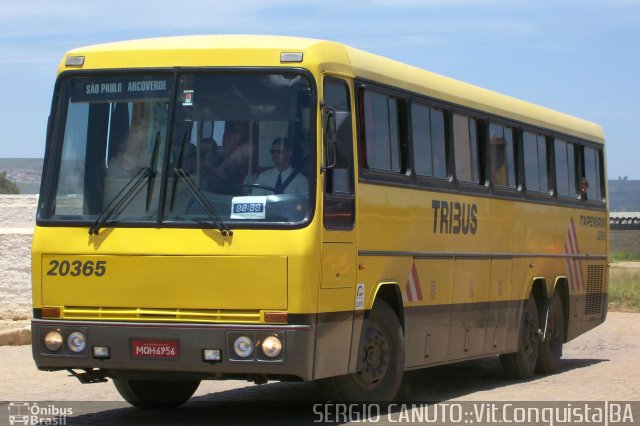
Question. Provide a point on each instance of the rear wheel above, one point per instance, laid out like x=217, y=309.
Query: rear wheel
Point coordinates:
x=381, y=361
x=522, y=364
x=551, y=349
x=155, y=393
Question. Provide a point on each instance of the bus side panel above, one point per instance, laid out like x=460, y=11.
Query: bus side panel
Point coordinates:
x=469, y=319
x=333, y=344
x=500, y=309
x=427, y=327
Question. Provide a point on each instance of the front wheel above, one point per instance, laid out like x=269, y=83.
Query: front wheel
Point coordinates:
x=155, y=393
x=381, y=361
x=522, y=364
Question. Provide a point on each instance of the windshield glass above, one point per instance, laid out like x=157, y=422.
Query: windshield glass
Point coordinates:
x=107, y=134
x=244, y=141
x=240, y=145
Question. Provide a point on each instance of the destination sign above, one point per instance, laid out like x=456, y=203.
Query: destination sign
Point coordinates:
x=119, y=88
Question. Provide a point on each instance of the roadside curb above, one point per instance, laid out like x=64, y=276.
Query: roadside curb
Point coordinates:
x=16, y=336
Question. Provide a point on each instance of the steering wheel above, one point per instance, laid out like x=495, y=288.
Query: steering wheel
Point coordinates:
x=254, y=185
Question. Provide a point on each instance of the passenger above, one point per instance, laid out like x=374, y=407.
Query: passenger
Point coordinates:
x=232, y=163
x=283, y=178
x=133, y=156
x=131, y=160
x=207, y=155
x=498, y=150
x=584, y=188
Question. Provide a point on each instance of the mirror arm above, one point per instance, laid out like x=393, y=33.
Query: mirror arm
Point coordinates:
x=324, y=168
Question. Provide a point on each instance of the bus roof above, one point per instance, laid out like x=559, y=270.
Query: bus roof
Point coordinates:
x=251, y=50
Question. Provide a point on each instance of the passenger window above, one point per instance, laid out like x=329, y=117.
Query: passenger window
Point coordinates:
x=429, y=152
x=381, y=132
x=536, y=171
x=593, y=174
x=465, y=144
x=565, y=168
x=502, y=156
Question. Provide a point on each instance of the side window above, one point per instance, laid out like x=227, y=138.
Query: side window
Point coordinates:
x=339, y=198
x=593, y=174
x=381, y=132
x=429, y=152
x=340, y=177
x=565, y=160
x=465, y=144
x=502, y=156
x=536, y=173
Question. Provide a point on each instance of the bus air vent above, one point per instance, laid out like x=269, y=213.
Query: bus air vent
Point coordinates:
x=595, y=290
x=161, y=315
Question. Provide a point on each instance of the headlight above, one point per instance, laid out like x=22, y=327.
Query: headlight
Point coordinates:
x=243, y=346
x=271, y=346
x=53, y=340
x=77, y=342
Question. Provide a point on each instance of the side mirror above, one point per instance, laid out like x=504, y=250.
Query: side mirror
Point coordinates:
x=330, y=140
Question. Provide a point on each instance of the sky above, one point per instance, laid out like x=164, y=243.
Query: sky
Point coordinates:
x=578, y=57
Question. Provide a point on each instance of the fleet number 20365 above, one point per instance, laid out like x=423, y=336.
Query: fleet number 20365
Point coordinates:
x=76, y=268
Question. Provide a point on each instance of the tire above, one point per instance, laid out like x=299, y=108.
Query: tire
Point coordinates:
x=551, y=349
x=155, y=393
x=382, y=361
x=522, y=364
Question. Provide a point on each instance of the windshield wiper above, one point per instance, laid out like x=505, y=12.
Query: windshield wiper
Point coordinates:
x=152, y=168
x=208, y=208
x=179, y=166
x=129, y=191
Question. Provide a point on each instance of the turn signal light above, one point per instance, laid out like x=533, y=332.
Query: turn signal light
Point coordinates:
x=276, y=317
x=51, y=312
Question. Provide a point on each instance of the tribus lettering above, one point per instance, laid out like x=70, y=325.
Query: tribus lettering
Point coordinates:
x=452, y=217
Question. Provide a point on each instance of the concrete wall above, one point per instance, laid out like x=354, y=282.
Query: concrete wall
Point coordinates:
x=627, y=240
x=17, y=219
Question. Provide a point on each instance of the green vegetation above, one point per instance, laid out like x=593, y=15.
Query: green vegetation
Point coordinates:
x=623, y=256
x=6, y=186
x=624, y=289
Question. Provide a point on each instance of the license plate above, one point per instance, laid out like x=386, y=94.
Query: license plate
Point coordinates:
x=155, y=349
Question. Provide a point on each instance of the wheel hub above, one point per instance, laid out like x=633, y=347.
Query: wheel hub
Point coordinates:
x=372, y=356
x=376, y=359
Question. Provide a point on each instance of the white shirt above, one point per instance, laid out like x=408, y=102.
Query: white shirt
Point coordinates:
x=269, y=177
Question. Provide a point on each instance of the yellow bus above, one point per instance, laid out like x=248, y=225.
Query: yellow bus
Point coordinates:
x=273, y=208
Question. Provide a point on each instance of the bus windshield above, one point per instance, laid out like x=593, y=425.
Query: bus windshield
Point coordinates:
x=147, y=149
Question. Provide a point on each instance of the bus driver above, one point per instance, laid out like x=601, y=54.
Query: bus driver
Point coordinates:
x=283, y=178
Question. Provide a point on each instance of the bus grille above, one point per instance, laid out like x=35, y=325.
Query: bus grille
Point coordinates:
x=161, y=315
x=595, y=290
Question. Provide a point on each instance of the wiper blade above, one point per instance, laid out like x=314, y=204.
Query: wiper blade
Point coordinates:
x=122, y=198
x=179, y=166
x=208, y=208
x=130, y=190
x=152, y=168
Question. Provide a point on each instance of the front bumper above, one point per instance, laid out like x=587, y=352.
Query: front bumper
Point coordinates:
x=295, y=360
